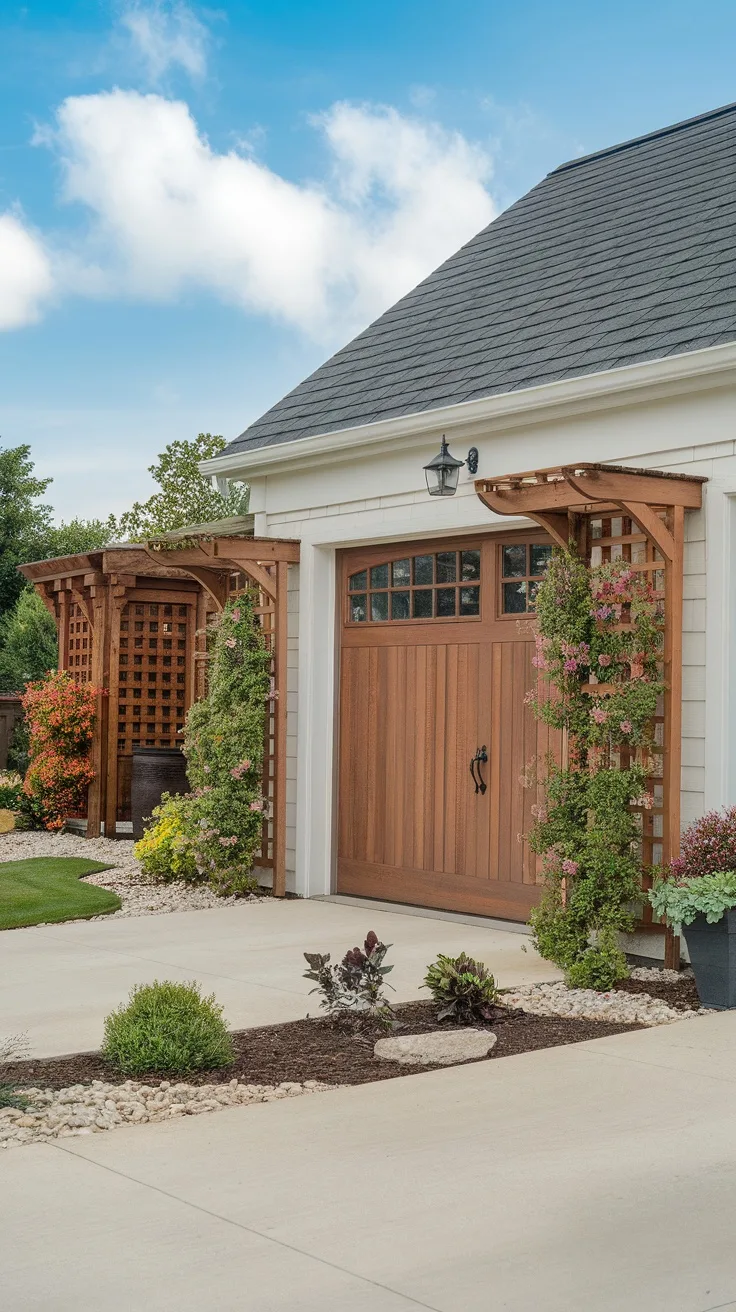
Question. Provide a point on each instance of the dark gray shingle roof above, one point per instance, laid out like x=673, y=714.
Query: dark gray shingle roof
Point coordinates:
x=622, y=256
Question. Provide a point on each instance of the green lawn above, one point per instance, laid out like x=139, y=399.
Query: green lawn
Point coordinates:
x=50, y=889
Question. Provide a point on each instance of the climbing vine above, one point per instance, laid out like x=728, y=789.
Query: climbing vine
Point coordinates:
x=599, y=652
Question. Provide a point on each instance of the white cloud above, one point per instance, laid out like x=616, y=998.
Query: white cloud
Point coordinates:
x=165, y=35
x=169, y=212
x=25, y=274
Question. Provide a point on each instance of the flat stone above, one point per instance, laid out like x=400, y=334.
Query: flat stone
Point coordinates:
x=438, y=1047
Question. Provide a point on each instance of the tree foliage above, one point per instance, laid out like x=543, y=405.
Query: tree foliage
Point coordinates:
x=25, y=522
x=185, y=496
x=28, y=647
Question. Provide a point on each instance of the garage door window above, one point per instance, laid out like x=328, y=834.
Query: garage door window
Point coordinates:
x=523, y=566
x=437, y=586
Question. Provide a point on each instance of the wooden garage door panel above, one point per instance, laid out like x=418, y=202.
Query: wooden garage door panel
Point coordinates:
x=417, y=700
x=409, y=728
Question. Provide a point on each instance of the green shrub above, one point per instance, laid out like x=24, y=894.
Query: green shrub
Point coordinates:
x=464, y=988
x=165, y=850
x=600, y=965
x=167, y=1027
x=11, y=791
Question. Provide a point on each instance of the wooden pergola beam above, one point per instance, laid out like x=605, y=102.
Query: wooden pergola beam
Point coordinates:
x=568, y=487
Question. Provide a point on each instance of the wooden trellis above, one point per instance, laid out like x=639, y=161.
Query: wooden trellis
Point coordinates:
x=133, y=621
x=612, y=512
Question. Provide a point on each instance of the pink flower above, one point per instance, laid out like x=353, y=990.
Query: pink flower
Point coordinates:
x=256, y=806
x=570, y=666
x=539, y=662
x=235, y=615
x=570, y=868
x=230, y=642
x=625, y=726
x=604, y=659
x=599, y=715
x=646, y=800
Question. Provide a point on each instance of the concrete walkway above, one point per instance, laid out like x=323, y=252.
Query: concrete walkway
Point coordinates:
x=60, y=981
x=597, y=1177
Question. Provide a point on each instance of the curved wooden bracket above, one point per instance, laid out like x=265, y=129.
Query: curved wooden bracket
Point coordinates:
x=557, y=525
x=213, y=581
x=653, y=527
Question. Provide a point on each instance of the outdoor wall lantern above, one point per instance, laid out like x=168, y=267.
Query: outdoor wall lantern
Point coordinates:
x=443, y=472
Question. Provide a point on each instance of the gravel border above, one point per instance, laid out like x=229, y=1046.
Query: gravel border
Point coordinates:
x=586, y=1004
x=90, y=1109
x=138, y=896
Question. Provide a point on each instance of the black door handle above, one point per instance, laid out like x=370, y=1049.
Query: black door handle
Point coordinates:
x=481, y=756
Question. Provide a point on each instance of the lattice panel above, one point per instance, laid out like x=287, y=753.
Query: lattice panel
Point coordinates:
x=621, y=538
x=155, y=657
x=78, y=642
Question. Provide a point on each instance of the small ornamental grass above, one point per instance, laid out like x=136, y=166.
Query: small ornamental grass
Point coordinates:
x=464, y=988
x=167, y=1027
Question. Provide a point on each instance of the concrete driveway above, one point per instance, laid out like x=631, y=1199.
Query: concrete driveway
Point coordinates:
x=598, y=1177
x=60, y=981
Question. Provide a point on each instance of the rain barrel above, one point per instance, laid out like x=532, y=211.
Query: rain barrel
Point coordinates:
x=156, y=770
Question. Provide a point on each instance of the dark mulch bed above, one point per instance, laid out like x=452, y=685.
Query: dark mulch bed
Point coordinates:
x=681, y=994
x=316, y=1050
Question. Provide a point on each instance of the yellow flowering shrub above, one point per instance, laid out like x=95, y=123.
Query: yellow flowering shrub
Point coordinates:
x=165, y=850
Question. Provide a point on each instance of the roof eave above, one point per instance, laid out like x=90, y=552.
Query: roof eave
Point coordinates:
x=647, y=380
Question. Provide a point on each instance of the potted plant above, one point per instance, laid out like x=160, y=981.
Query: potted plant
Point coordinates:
x=698, y=894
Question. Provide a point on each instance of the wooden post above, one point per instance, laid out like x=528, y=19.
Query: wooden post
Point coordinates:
x=111, y=681
x=100, y=642
x=672, y=762
x=280, y=709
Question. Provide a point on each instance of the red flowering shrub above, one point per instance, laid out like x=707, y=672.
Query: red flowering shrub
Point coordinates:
x=708, y=846
x=61, y=716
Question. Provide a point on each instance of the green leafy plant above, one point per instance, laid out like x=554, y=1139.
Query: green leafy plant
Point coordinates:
x=465, y=989
x=599, y=649
x=680, y=901
x=224, y=750
x=11, y=790
x=167, y=1027
x=354, y=987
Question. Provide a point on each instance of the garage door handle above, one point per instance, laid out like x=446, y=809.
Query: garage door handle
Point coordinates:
x=481, y=756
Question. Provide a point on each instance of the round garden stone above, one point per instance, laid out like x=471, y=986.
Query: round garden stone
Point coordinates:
x=438, y=1047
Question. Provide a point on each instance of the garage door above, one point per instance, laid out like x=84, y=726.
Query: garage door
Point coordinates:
x=436, y=660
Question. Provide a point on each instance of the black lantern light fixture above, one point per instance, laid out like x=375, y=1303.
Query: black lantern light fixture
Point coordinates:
x=443, y=472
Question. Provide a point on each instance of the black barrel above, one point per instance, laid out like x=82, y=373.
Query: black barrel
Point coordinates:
x=156, y=770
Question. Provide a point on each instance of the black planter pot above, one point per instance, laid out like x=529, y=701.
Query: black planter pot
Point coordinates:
x=712, y=951
x=156, y=770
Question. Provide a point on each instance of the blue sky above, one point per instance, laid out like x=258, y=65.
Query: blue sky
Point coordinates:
x=197, y=206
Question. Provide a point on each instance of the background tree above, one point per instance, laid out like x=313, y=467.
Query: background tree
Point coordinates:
x=186, y=497
x=28, y=648
x=25, y=522
x=78, y=535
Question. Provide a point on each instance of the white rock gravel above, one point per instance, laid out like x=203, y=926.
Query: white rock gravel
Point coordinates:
x=585, y=1004
x=89, y=1108
x=138, y=896
x=440, y=1047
